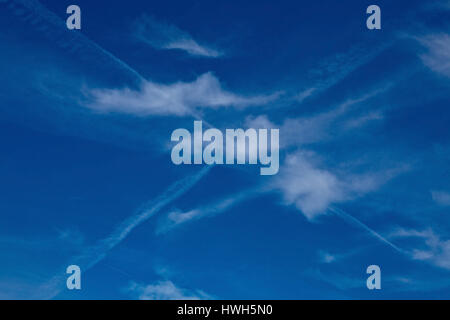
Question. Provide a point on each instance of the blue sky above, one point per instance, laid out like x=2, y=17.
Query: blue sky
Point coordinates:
x=87, y=179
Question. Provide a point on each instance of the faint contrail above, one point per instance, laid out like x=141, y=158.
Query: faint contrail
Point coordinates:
x=353, y=221
x=149, y=209
x=54, y=28
x=94, y=254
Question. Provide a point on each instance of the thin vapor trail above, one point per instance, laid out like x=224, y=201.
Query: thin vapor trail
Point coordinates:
x=54, y=28
x=355, y=222
x=94, y=254
x=174, y=191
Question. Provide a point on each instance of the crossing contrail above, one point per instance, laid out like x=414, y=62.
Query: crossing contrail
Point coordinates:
x=54, y=29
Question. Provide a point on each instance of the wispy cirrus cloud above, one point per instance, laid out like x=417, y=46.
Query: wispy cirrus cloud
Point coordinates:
x=95, y=253
x=441, y=197
x=337, y=67
x=303, y=181
x=165, y=290
x=315, y=128
x=328, y=257
x=437, y=57
x=165, y=36
x=178, y=99
x=364, y=119
x=176, y=218
x=434, y=249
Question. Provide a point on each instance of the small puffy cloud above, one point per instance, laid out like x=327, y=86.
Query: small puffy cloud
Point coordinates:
x=179, y=99
x=165, y=36
x=309, y=188
x=437, y=57
x=165, y=290
x=441, y=197
x=326, y=257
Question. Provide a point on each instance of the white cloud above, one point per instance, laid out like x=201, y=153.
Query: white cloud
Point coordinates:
x=161, y=35
x=441, y=197
x=435, y=250
x=304, y=94
x=364, y=119
x=261, y=121
x=312, y=189
x=326, y=257
x=180, y=98
x=437, y=58
x=165, y=290
x=295, y=131
x=193, y=48
x=302, y=181
x=316, y=128
x=176, y=218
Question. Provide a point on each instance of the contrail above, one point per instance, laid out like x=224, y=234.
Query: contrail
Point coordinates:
x=353, y=221
x=172, y=193
x=94, y=254
x=54, y=28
